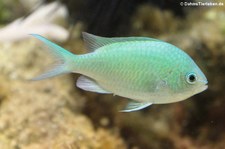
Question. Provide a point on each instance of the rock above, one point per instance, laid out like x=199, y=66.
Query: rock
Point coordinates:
x=44, y=114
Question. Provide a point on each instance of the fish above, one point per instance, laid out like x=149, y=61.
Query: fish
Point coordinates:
x=144, y=70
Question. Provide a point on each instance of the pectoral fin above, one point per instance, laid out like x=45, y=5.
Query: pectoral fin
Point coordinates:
x=89, y=84
x=135, y=106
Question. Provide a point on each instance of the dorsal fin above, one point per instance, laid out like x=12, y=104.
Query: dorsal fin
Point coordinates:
x=94, y=42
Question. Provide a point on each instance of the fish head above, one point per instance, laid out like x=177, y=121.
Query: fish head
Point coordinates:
x=194, y=79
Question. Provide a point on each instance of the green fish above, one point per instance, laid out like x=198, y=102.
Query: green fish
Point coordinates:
x=146, y=70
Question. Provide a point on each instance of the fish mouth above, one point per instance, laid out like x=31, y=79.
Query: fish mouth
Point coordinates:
x=204, y=85
x=201, y=89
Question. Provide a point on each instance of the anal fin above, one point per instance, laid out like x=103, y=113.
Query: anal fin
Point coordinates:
x=89, y=84
x=135, y=106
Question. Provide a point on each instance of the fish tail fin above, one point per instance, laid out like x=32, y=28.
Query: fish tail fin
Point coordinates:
x=64, y=60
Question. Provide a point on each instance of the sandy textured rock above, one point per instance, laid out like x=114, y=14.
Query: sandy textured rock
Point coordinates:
x=44, y=114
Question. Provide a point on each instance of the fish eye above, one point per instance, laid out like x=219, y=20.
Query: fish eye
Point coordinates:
x=191, y=78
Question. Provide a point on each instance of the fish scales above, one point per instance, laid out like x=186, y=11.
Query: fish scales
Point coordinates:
x=146, y=70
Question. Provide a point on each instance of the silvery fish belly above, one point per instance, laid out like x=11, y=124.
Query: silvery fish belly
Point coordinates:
x=146, y=70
